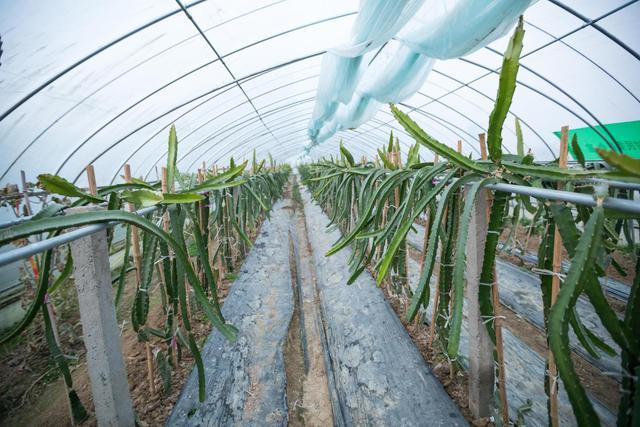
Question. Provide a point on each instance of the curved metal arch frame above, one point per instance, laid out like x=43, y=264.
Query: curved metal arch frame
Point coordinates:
x=249, y=126
x=587, y=22
x=375, y=120
x=250, y=141
x=201, y=67
x=436, y=117
x=205, y=139
x=166, y=85
x=598, y=27
x=175, y=108
x=234, y=143
x=303, y=138
x=81, y=61
x=381, y=141
x=571, y=97
x=594, y=63
x=141, y=146
x=125, y=72
x=550, y=98
x=364, y=146
x=484, y=95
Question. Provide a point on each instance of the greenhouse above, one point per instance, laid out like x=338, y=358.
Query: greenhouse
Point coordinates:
x=335, y=213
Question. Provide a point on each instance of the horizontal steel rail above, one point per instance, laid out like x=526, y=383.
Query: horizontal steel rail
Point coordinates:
x=50, y=243
x=621, y=205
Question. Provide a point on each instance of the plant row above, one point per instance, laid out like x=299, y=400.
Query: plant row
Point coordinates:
x=376, y=204
x=203, y=226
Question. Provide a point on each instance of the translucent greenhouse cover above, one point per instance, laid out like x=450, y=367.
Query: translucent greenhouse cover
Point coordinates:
x=101, y=81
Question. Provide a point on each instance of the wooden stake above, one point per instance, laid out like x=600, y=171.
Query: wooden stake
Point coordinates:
x=555, y=284
x=25, y=193
x=483, y=146
x=163, y=187
x=497, y=309
x=135, y=237
x=137, y=260
x=460, y=146
x=91, y=178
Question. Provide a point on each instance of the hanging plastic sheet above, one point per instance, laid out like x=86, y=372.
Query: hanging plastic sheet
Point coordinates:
x=440, y=29
x=356, y=112
x=446, y=30
x=395, y=74
x=377, y=22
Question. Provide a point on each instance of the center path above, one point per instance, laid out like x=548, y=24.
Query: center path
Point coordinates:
x=245, y=380
x=380, y=376
x=311, y=350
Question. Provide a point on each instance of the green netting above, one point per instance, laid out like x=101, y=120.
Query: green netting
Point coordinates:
x=626, y=133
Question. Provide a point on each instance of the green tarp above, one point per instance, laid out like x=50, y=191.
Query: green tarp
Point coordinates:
x=626, y=133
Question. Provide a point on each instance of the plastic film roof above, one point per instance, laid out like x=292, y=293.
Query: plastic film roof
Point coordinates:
x=101, y=82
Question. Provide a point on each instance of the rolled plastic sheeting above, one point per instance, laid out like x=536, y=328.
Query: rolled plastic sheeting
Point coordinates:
x=437, y=31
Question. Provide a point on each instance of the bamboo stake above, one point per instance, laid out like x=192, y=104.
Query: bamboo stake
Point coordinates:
x=219, y=263
x=165, y=227
x=201, y=218
x=436, y=295
x=29, y=212
x=47, y=300
x=423, y=255
x=405, y=279
x=135, y=237
x=495, y=296
x=137, y=259
x=555, y=285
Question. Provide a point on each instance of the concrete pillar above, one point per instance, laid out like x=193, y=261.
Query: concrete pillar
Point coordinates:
x=481, y=365
x=105, y=361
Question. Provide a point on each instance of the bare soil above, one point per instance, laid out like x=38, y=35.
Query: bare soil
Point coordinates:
x=308, y=394
x=603, y=387
x=294, y=355
x=625, y=259
x=34, y=393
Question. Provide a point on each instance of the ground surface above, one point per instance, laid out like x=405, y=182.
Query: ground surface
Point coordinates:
x=317, y=364
x=34, y=394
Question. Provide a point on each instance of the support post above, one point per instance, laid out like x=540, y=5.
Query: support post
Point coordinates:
x=555, y=285
x=109, y=384
x=481, y=367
